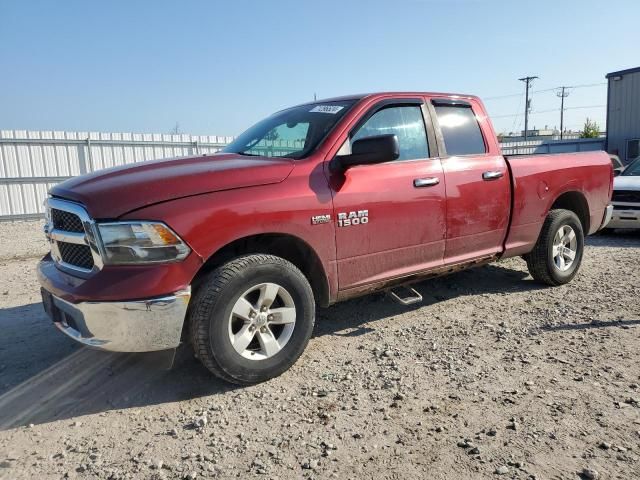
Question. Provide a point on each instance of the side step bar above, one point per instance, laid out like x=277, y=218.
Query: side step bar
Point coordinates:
x=397, y=295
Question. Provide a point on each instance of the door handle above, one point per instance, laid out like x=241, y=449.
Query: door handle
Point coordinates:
x=425, y=182
x=492, y=175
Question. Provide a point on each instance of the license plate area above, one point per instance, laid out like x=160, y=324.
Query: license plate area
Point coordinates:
x=49, y=307
x=628, y=215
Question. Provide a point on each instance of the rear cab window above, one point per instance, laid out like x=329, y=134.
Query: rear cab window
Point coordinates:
x=460, y=128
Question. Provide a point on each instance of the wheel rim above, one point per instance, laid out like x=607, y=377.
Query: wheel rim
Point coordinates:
x=262, y=321
x=565, y=248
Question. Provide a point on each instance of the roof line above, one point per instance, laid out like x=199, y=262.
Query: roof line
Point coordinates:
x=623, y=72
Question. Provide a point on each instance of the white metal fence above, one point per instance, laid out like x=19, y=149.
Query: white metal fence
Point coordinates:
x=32, y=162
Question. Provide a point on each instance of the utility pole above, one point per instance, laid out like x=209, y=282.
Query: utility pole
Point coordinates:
x=562, y=94
x=527, y=104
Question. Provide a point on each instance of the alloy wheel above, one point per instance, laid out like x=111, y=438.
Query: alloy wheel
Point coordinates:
x=565, y=248
x=262, y=321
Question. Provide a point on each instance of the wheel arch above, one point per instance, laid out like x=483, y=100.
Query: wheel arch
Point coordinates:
x=287, y=246
x=576, y=202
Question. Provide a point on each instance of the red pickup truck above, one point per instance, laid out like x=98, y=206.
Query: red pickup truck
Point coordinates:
x=317, y=203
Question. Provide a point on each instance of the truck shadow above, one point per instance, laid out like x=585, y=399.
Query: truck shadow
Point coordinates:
x=45, y=376
x=620, y=238
x=492, y=278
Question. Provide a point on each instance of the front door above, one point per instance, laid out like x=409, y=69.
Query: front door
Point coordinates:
x=390, y=217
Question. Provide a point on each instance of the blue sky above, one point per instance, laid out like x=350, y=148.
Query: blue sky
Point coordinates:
x=215, y=67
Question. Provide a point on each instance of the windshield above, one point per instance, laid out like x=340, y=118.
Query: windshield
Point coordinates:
x=633, y=169
x=293, y=133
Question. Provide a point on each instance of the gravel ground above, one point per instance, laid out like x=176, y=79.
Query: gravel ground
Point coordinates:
x=22, y=240
x=492, y=376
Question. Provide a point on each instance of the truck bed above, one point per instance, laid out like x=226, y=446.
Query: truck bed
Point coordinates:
x=540, y=181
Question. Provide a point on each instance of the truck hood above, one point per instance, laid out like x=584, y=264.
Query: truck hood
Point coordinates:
x=113, y=192
x=629, y=182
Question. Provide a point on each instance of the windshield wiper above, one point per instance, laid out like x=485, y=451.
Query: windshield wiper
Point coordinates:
x=247, y=154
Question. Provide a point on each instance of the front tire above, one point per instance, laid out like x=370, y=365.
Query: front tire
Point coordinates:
x=557, y=255
x=252, y=318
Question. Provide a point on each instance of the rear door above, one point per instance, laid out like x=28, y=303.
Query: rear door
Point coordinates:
x=476, y=178
x=391, y=216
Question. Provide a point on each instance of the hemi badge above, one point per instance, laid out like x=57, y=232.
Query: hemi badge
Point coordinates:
x=318, y=219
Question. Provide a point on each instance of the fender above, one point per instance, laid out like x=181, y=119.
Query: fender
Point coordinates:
x=211, y=221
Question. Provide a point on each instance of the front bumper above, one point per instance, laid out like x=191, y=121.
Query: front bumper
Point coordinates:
x=124, y=326
x=608, y=211
x=625, y=216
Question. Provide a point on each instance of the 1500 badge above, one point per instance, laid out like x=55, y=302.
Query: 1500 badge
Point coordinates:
x=348, y=219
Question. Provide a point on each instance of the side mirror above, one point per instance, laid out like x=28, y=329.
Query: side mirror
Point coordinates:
x=617, y=171
x=367, y=151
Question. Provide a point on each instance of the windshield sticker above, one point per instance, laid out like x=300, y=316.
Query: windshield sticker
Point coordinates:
x=332, y=109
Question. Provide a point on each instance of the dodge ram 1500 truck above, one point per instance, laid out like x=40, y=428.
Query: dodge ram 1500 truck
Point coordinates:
x=318, y=203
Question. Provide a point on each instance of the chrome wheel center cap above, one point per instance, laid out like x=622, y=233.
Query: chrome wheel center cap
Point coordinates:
x=261, y=319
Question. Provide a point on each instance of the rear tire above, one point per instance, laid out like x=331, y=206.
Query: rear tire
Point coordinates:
x=557, y=255
x=252, y=318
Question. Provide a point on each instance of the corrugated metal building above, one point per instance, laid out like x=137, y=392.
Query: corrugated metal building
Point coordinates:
x=623, y=114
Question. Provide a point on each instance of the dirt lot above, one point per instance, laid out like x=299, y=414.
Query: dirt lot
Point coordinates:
x=493, y=376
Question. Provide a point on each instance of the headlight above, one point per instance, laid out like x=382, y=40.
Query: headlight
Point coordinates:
x=140, y=242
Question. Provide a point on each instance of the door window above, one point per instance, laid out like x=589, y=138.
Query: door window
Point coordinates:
x=406, y=123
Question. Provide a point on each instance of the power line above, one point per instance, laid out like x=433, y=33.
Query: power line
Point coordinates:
x=545, y=90
x=586, y=106
x=586, y=85
x=507, y=115
x=548, y=111
x=515, y=119
x=502, y=96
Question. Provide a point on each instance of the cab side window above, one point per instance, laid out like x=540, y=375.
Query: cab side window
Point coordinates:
x=406, y=123
x=460, y=130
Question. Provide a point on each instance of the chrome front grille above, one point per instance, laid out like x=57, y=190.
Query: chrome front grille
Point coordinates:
x=77, y=255
x=72, y=235
x=629, y=196
x=66, y=221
